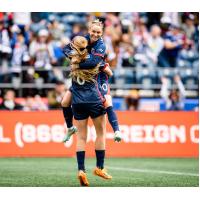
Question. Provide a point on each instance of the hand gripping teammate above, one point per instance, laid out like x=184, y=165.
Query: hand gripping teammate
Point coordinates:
x=96, y=48
x=87, y=101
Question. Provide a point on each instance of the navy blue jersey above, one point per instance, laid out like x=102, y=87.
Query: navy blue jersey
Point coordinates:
x=173, y=38
x=68, y=51
x=96, y=56
x=86, y=93
x=98, y=48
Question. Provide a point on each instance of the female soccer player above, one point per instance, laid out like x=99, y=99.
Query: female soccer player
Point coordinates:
x=96, y=49
x=87, y=101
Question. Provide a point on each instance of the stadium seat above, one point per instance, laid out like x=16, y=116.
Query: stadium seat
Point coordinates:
x=146, y=76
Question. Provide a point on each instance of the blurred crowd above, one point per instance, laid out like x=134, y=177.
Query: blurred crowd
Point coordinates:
x=140, y=41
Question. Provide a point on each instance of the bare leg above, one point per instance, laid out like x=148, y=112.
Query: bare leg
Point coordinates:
x=66, y=101
x=81, y=134
x=100, y=126
x=108, y=101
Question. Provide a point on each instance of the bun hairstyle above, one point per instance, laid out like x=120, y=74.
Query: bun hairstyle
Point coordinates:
x=96, y=22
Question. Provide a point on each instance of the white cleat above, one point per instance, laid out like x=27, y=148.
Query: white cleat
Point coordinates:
x=70, y=132
x=117, y=136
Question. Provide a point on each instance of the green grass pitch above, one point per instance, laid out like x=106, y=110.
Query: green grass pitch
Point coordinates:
x=126, y=172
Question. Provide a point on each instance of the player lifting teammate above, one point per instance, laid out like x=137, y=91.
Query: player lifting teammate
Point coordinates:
x=87, y=101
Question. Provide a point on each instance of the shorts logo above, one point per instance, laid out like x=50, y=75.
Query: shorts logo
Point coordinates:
x=104, y=87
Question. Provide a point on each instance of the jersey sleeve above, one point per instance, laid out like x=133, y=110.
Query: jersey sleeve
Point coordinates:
x=67, y=50
x=100, y=51
x=96, y=57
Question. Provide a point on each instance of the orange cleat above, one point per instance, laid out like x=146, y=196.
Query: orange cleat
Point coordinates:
x=83, y=178
x=102, y=173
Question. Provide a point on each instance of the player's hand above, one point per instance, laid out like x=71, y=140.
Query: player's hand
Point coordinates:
x=177, y=78
x=164, y=80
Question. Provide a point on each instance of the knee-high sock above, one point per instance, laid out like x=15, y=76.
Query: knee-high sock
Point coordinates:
x=100, y=155
x=112, y=118
x=68, y=115
x=80, y=155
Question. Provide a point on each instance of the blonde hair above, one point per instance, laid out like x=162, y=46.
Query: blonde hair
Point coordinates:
x=96, y=22
x=78, y=56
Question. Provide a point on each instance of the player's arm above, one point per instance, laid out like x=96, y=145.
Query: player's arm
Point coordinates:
x=68, y=51
x=91, y=62
x=107, y=70
x=94, y=59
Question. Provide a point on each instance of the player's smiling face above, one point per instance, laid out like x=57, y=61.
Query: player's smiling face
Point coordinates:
x=95, y=33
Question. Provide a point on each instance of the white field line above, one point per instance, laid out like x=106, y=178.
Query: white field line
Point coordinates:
x=151, y=171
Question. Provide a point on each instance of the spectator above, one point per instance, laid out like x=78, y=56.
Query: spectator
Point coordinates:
x=5, y=52
x=55, y=96
x=155, y=44
x=60, y=57
x=173, y=43
x=132, y=100
x=188, y=55
x=78, y=29
x=56, y=29
x=20, y=55
x=34, y=104
x=9, y=102
x=41, y=51
x=112, y=34
x=110, y=52
x=188, y=26
x=174, y=99
x=42, y=54
x=140, y=38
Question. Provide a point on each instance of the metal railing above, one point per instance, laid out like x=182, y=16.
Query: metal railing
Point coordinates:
x=119, y=84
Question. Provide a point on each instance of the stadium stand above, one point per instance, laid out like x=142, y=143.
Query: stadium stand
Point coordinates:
x=141, y=49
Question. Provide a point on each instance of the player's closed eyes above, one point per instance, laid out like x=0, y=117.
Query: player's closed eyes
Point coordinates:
x=96, y=32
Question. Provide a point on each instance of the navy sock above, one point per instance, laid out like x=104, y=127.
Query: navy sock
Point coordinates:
x=68, y=115
x=80, y=155
x=112, y=118
x=100, y=155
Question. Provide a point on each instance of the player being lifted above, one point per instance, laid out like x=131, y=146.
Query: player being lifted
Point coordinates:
x=96, y=49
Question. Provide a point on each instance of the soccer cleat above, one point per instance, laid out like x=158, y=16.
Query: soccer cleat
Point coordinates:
x=102, y=173
x=70, y=132
x=117, y=136
x=83, y=178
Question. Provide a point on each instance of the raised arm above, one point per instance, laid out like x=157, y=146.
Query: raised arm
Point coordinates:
x=180, y=86
x=164, y=92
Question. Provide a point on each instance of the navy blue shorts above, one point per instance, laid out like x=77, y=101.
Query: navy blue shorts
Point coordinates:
x=83, y=111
